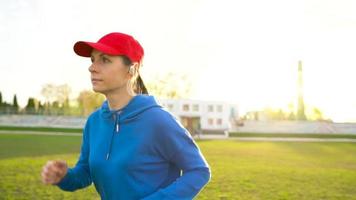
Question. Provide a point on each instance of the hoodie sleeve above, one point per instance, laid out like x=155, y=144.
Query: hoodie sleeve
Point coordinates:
x=79, y=176
x=177, y=146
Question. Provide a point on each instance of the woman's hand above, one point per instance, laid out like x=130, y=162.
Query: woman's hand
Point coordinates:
x=54, y=171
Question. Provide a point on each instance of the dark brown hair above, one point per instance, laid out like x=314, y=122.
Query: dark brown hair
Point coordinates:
x=139, y=86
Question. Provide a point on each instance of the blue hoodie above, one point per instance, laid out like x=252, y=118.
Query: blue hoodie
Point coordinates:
x=138, y=152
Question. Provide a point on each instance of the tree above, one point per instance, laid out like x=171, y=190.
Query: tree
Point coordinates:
x=15, y=105
x=41, y=108
x=63, y=93
x=14, y=102
x=1, y=105
x=276, y=113
x=88, y=101
x=49, y=92
x=291, y=116
x=316, y=114
x=170, y=86
x=56, y=98
x=55, y=108
x=59, y=93
x=31, y=106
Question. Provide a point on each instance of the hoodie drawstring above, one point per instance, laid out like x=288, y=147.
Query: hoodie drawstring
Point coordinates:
x=116, y=116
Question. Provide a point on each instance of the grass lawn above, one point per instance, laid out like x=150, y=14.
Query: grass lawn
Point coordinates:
x=240, y=170
x=294, y=135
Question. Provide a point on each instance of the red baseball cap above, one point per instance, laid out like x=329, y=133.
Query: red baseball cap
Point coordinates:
x=112, y=44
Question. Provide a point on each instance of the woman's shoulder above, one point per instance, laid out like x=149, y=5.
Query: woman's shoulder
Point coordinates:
x=160, y=113
x=163, y=119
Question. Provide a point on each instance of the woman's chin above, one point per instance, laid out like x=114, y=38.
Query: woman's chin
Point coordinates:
x=97, y=89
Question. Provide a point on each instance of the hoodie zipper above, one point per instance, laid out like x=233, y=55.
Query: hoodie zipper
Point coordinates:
x=116, y=116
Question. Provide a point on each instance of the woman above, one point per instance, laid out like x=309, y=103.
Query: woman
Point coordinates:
x=132, y=148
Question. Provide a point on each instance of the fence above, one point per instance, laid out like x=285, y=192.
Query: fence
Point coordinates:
x=295, y=127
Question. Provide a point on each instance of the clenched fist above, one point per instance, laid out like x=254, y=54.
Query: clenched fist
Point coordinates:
x=54, y=171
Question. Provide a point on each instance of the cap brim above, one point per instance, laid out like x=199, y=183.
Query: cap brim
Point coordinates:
x=84, y=49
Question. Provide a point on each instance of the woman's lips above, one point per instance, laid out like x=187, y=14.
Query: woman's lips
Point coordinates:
x=95, y=80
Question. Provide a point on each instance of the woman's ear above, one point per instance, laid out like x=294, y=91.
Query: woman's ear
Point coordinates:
x=133, y=69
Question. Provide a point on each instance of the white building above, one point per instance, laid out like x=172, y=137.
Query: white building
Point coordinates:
x=202, y=117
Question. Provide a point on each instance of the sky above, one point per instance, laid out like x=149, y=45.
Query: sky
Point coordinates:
x=243, y=52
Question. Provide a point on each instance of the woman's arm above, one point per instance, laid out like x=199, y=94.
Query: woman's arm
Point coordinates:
x=79, y=176
x=177, y=146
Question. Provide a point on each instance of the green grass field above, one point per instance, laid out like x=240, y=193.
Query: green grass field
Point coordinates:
x=240, y=170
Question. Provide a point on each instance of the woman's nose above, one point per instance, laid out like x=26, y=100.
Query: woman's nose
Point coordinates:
x=92, y=68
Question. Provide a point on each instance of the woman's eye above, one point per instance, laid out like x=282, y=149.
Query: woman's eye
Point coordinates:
x=105, y=60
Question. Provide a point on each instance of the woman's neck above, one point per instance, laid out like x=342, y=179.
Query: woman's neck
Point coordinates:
x=118, y=100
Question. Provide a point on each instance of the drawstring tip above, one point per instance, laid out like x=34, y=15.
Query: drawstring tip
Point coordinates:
x=107, y=156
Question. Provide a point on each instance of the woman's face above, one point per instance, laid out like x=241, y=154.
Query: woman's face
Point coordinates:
x=108, y=73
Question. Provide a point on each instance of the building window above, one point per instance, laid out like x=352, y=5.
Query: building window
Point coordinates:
x=219, y=108
x=186, y=107
x=210, y=108
x=219, y=121
x=170, y=107
x=195, y=107
x=210, y=121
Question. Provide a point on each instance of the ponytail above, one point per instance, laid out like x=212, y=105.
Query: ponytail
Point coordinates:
x=140, y=87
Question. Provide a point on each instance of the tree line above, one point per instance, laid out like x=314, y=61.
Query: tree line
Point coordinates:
x=58, y=104
x=56, y=98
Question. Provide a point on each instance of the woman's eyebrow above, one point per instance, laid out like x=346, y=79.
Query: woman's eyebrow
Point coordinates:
x=100, y=55
x=106, y=55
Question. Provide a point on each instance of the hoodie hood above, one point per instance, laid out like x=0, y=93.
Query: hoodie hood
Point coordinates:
x=136, y=106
